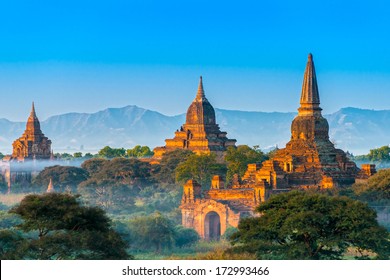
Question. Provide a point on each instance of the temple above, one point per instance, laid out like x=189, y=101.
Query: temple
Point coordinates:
x=211, y=212
x=310, y=159
x=31, y=148
x=200, y=134
x=32, y=144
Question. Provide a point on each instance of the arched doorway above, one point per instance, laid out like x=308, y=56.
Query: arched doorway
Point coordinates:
x=212, y=226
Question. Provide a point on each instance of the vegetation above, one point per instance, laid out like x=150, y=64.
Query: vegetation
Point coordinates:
x=64, y=178
x=64, y=230
x=130, y=191
x=165, y=172
x=238, y=158
x=301, y=225
x=379, y=156
x=376, y=189
x=201, y=168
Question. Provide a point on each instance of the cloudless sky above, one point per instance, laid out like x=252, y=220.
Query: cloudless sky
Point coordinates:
x=85, y=56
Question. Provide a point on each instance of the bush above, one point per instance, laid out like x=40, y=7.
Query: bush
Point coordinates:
x=185, y=236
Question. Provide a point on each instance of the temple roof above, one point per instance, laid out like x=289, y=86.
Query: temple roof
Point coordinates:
x=200, y=111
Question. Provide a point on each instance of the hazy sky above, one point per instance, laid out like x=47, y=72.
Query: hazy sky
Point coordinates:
x=85, y=56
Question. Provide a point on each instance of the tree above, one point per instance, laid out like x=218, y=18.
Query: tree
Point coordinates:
x=93, y=165
x=238, y=158
x=113, y=184
x=67, y=230
x=201, y=168
x=376, y=188
x=108, y=152
x=154, y=231
x=165, y=172
x=11, y=243
x=78, y=155
x=185, y=236
x=302, y=225
x=139, y=152
x=63, y=177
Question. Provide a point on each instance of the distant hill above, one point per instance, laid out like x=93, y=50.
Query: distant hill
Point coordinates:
x=356, y=130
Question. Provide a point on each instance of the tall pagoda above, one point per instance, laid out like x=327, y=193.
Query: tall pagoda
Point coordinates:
x=33, y=144
x=200, y=134
x=310, y=159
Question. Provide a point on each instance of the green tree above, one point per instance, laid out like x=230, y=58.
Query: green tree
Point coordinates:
x=78, y=155
x=139, y=152
x=113, y=184
x=63, y=177
x=152, y=232
x=94, y=165
x=238, y=158
x=301, y=225
x=108, y=152
x=185, y=236
x=376, y=188
x=67, y=230
x=11, y=243
x=165, y=172
x=380, y=154
x=201, y=168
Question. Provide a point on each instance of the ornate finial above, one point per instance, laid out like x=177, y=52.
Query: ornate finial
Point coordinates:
x=200, y=93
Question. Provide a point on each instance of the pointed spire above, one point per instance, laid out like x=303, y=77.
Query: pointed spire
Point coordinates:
x=33, y=110
x=310, y=98
x=33, y=124
x=50, y=187
x=200, y=95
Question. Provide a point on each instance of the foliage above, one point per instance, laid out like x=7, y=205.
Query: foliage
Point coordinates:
x=301, y=225
x=154, y=231
x=93, y=165
x=376, y=188
x=165, y=171
x=379, y=156
x=8, y=220
x=139, y=152
x=239, y=157
x=108, y=152
x=229, y=232
x=185, y=236
x=63, y=177
x=67, y=230
x=78, y=155
x=113, y=184
x=11, y=243
x=201, y=168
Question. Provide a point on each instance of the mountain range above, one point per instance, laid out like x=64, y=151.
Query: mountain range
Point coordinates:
x=352, y=129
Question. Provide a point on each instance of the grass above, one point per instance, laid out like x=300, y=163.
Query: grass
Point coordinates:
x=203, y=250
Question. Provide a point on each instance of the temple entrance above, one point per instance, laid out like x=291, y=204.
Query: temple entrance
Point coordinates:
x=212, y=226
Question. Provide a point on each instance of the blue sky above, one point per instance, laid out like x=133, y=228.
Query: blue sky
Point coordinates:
x=84, y=56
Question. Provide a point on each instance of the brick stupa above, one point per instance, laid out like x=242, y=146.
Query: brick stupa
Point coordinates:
x=33, y=144
x=310, y=159
x=200, y=134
